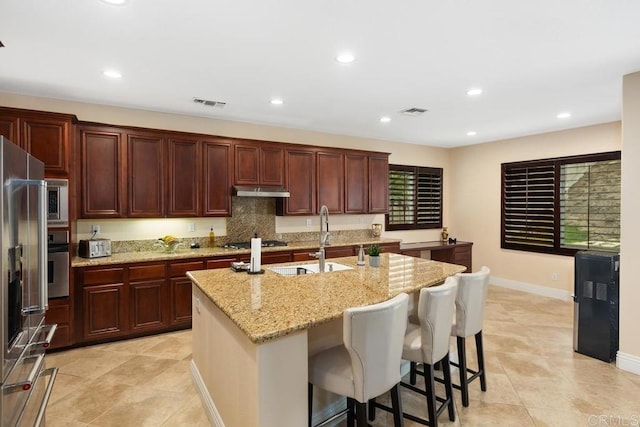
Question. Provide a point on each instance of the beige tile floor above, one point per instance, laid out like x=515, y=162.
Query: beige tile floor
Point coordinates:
x=534, y=378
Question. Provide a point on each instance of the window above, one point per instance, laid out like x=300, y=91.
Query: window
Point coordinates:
x=415, y=198
x=562, y=205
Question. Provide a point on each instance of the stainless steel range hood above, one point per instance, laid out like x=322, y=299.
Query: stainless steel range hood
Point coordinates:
x=259, y=191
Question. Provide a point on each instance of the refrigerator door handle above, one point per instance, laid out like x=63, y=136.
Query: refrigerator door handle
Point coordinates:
x=42, y=244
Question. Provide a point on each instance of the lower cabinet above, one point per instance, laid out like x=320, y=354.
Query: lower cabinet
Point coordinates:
x=60, y=314
x=104, y=309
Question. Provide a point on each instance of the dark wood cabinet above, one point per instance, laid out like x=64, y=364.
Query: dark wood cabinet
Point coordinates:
x=378, y=184
x=339, y=251
x=184, y=179
x=217, y=155
x=47, y=136
x=101, y=309
x=269, y=257
x=148, y=297
x=356, y=183
x=300, y=180
x=101, y=176
x=145, y=175
x=180, y=291
x=455, y=253
x=330, y=181
x=259, y=163
x=60, y=313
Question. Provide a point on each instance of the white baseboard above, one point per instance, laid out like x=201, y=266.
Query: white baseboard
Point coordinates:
x=209, y=407
x=628, y=362
x=530, y=288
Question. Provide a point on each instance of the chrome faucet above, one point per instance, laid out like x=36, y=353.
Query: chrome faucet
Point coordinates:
x=324, y=237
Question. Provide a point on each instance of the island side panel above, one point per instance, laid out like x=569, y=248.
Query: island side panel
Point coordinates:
x=249, y=384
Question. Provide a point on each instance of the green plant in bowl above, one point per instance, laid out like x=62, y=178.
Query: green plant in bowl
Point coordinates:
x=374, y=250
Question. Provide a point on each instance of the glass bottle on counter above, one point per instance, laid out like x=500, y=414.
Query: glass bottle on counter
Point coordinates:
x=212, y=238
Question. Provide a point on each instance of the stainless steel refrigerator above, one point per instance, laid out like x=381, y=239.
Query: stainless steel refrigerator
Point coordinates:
x=26, y=382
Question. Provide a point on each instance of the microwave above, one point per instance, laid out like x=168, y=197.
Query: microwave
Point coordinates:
x=57, y=202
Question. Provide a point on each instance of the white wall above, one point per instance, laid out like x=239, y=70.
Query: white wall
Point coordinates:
x=629, y=354
x=475, y=212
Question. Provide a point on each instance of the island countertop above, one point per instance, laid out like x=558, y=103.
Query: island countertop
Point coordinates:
x=269, y=306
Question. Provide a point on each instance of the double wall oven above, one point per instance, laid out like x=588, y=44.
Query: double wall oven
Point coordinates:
x=26, y=383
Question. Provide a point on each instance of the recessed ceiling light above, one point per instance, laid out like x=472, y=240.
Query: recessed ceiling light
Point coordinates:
x=472, y=133
x=385, y=119
x=563, y=115
x=277, y=101
x=474, y=92
x=345, y=58
x=112, y=74
x=115, y=2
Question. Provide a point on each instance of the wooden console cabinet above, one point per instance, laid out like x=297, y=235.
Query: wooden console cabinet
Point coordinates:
x=454, y=253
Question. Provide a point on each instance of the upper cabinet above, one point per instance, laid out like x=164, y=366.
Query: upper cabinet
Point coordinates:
x=356, y=183
x=258, y=163
x=144, y=174
x=47, y=136
x=300, y=180
x=378, y=183
x=330, y=180
x=101, y=175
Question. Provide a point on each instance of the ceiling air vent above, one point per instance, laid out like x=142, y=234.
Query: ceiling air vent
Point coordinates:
x=208, y=103
x=413, y=111
x=1, y=45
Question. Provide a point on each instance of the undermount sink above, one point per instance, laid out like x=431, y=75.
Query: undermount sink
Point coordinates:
x=299, y=269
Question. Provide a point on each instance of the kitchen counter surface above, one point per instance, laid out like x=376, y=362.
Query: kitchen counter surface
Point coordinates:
x=160, y=255
x=270, y=306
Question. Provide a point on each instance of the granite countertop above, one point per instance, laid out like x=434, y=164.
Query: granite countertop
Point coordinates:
x=269, y=306
x=161, y=255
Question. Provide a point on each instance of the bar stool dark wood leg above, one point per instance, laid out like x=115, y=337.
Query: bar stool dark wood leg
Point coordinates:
x=480, y=350
x=310, y=397
x=462, y=367
x=396, y=404
x=372, y=409
x=361, y=414
x=448, y=387
x=412, y=373
x=350, y=414
x=429, y=387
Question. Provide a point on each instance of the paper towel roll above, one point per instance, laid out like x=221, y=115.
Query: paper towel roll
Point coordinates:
x=256, y=247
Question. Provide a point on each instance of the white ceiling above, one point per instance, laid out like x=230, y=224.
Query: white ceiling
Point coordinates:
x=533, y=59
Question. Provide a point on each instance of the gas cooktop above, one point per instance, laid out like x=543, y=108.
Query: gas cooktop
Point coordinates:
x=247, y=245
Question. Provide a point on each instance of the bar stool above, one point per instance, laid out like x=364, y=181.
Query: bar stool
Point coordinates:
x=470, y=302
x=428, y=343
x=368, y=364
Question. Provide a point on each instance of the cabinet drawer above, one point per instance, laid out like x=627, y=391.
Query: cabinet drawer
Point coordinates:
x=220, y=262
x=179, y=269
x=142, y=272
x=463, y=251
x=62, y=337
x=57, y=314
x=304, y=256
x=103, y=276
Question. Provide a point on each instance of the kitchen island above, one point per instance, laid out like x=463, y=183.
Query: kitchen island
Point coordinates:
x=253, y=334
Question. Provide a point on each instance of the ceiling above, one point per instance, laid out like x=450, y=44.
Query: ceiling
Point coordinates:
x=533, y=60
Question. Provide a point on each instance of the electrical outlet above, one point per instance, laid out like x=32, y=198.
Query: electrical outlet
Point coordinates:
x=95, y=229
x=191, y=227
x=554, y=276
x=308, y=223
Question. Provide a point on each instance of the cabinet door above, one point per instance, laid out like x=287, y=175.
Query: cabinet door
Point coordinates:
x=247, y=164
x=145, y=175
x=217, y=166
x=271, y=165
x=330, y=181
x=300, y=178
x=180, y=301
x=184, y=178
x=147, y=304
x=59, y=313
x=339, y=251
x=355, y=172
x=9, y=127
x=378, y=184
x=48, y=139
x=101, y=176
x=104, y=311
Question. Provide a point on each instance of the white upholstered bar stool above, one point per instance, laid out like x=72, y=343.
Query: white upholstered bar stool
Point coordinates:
x=368, y=364
x=470, y=302
x=428, y=343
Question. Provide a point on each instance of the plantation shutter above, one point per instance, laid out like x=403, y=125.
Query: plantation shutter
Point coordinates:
x=528, y=206
x=402, y=191
x=429, y=198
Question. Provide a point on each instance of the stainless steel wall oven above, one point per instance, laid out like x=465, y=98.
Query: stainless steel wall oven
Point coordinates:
x=58, y=264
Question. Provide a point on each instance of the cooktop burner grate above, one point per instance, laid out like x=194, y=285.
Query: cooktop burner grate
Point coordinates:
x=247, y=245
